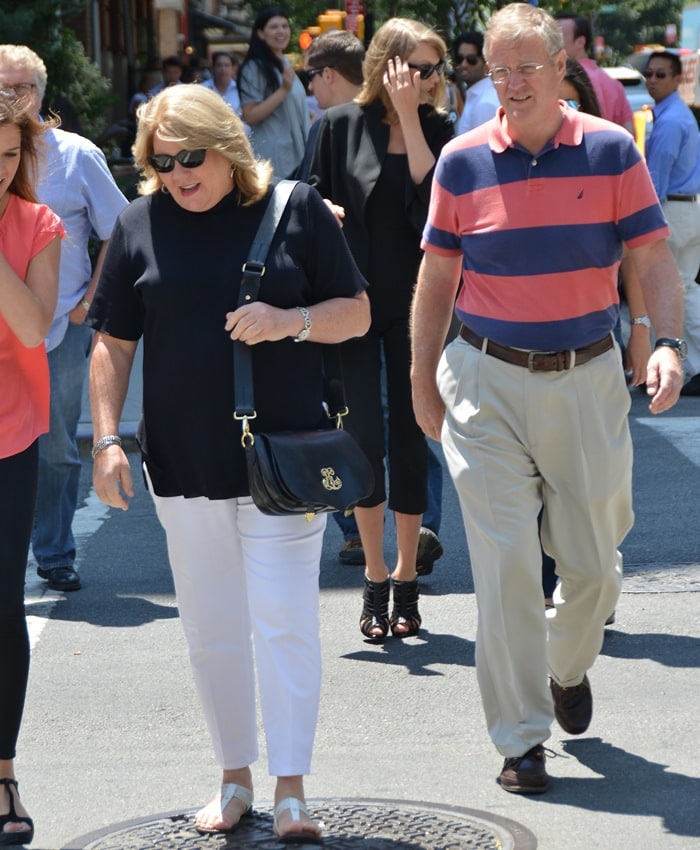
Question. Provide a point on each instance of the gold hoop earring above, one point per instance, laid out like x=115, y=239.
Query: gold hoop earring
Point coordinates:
x=164, y=189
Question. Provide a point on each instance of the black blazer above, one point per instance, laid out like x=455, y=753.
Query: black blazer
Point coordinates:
x=348, y=156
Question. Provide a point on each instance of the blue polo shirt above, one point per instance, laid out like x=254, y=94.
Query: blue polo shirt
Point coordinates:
x=673, y=149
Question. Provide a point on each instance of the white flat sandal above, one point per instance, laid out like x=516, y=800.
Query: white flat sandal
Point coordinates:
x=229, y=790
x=296, y=808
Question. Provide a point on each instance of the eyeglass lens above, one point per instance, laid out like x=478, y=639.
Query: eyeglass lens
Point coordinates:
x=502, y=73
x=164, y=162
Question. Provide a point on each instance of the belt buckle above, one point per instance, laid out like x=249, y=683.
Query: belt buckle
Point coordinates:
x=562, y=359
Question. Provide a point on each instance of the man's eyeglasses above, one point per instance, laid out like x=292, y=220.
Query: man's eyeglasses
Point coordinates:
x=21, y=89
x=501, y=74
x=471, y=59
x=427, y=71
x=660, y=75
x=164, y=162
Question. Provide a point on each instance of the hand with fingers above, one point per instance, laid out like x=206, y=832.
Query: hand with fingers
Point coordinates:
x=402, y=86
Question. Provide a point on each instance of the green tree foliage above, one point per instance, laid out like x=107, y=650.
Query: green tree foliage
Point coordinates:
x=73, y=80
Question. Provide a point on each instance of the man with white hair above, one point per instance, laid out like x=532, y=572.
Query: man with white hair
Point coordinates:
x=75, y=181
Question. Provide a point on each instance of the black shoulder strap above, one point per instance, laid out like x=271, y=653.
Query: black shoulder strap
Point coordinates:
x=253, y=270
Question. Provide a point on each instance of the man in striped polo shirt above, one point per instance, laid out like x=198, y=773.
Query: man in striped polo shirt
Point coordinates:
x=530, y=212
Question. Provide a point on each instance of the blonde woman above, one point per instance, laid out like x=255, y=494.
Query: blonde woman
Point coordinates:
x=375, y=158
x=172, y=274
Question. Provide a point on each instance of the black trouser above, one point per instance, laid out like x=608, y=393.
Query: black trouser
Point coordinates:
x=407, y=448
x=18, y=477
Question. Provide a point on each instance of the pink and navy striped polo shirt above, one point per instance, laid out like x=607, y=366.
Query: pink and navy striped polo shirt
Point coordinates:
x=541, y=236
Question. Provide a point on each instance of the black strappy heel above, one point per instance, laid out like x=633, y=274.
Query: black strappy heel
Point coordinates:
x=375, y=609
x=405, y=610
x=25, y=836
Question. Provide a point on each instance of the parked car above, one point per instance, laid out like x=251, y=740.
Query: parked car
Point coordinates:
x=634, y=85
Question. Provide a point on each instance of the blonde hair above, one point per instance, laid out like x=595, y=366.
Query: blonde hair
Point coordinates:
x=24, y=59
x=398, y=37
x=198, y=117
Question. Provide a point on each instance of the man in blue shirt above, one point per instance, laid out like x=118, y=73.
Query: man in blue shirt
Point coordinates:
x=223, y=80
x=75, y=181
x=673, y=157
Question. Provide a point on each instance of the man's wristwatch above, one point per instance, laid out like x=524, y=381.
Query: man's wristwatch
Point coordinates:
x=642, y=320
x=678, y=345
x=307, y=325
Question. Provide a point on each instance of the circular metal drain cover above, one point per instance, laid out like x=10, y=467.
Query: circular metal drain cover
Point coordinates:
x=349, y=825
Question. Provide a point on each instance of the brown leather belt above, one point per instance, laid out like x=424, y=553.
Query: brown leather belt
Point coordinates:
x=539, y=361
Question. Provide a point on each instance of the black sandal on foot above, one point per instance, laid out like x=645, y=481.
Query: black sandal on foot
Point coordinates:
x=25, y=836
x=405, y=611
x=375, y=609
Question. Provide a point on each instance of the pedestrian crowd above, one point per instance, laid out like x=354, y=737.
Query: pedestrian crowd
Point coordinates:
x=461, y=223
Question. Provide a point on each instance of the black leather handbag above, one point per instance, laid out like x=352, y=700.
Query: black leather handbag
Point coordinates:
x=295, y=472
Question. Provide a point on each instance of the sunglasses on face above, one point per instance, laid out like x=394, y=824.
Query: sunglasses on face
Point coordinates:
x=471, y=59
x=660, y=75
x=427, y=71
x=164, y=162
x=313, y=72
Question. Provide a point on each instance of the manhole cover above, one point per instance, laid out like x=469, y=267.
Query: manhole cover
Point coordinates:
x=349, y=825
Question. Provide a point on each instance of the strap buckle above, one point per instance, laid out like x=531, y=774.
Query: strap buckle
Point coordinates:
x=253, y=267
x=556, y=361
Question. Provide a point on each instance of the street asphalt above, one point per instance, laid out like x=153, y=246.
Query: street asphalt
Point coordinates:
x=112, y=730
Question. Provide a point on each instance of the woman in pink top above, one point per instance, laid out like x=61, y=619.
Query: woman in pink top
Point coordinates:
x=29, y=254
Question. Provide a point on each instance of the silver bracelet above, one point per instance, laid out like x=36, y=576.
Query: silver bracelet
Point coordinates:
x=103, y=442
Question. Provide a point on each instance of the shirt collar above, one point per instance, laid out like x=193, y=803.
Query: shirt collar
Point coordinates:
x=660, y=107
x=570, y=131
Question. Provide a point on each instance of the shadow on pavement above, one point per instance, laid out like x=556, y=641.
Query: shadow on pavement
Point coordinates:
x=419, y=654
x=670, y=650
x=630, y=785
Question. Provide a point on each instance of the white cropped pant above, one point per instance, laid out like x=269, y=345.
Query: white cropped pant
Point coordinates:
x=240, y=574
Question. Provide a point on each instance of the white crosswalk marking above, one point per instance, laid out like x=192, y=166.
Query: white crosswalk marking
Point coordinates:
x=39, y=598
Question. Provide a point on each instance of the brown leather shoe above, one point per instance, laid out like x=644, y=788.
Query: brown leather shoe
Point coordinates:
x=525, y=774
x=573, y=707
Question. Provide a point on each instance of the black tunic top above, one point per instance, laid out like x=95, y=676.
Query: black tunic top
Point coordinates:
x=172, y=275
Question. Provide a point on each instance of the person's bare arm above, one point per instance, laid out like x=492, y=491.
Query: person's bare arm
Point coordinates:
x=28, y=305
x=663, y=296
x=332, y=321
x=254, y=113
x=403, y=87
x=79, y=312
x=431, y=313
x=110, y=368
x=638, y=349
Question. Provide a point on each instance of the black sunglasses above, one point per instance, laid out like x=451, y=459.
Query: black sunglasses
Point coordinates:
x=660, y=75
x=471, y=59
x=164, y=162
x=427, y=71
x=312, y=72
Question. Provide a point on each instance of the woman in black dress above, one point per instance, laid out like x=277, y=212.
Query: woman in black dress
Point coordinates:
x=375, y=157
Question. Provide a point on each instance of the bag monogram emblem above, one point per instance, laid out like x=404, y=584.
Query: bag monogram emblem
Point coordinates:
x=329, y=479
